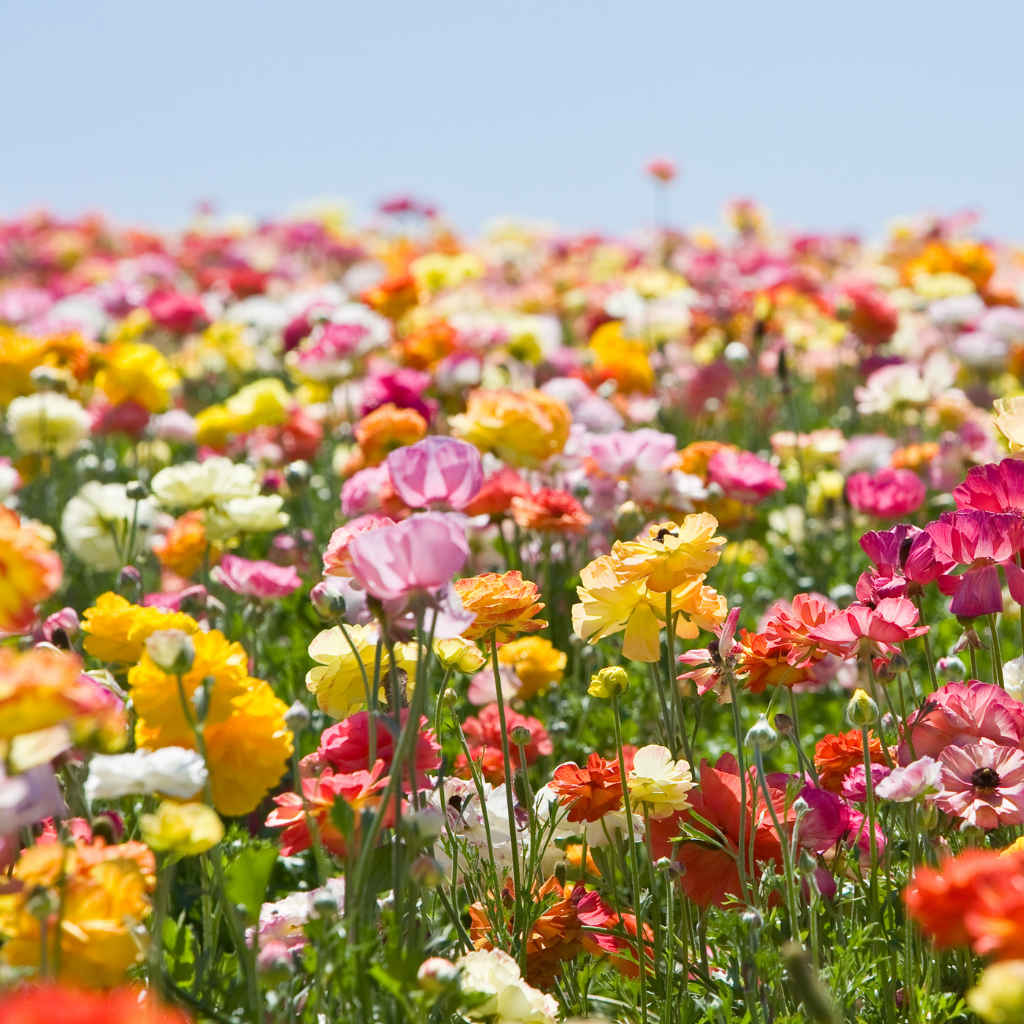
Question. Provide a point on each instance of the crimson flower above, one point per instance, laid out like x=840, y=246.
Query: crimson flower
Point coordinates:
x=997, y=487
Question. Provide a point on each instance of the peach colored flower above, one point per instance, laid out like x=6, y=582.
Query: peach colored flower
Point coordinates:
x=30, y=571
x=503, y=605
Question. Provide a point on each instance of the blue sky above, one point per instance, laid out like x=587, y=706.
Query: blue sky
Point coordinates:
x=834, y=114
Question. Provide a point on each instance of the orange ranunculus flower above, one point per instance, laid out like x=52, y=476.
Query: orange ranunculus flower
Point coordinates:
x=503, y=605
x=521, y=427
x=103, y=898
x=116, y=630
x=183, y=548
x=554, y=937
x=621, y=359
x=834, y=756
x=423, y=348
x=976, y=899
x=41, y=688
x=914, y=456
x=694, y=458
x=590, y=793
x=550, y=510
x=30, y=571
x=536, y=662
x=669, y=555
x=393, y=297
x=966, y=257
x=388, y=428
x=69, y=354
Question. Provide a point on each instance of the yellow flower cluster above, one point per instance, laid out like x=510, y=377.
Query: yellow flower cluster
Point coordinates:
x=263, y=403
x=629, y=589
x=521, y=427
x=137, y=372
x=116, y=630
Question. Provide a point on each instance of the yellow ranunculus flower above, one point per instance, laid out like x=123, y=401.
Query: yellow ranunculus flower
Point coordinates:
x=999, y=995
x=536, y=662
x=621, y=359
x=263, y=403
x=337, y=679
x=182, y=828
x=671, y=554
x=214, y=425
x=520, y=427
x=459, y=653
x=137, y=372
x=1008, y=419
x=116, y=630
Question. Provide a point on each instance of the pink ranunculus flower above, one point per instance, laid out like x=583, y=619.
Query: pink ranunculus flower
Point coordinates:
x=982, y=541
x=859, y=838
x=744, y=476
x=345, y=746
x=855, y=787
x=402, y=386
x=983, y=783
x=336, y=560
x=863, y=630
x=997, y=487
x=264, y=581
x=360, y=494
x=889, y=494
x=437, y=472
x=919, y=779
x=621, y=452
x=960, y=713
x=421, y=553
x=906, y=560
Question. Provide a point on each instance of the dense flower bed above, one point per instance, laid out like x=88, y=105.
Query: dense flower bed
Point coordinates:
x=402, y=628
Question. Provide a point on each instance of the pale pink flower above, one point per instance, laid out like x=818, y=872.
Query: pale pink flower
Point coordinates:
x=336, y=560
x=264, y=581
x=437, y=472
x=920, y=778
x=855, y=786
x=744, y=476
x=983, y=783
x=360, y=494
x=421, y=553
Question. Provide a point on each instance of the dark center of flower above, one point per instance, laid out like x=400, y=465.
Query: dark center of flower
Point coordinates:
x=985, y=778
x=663, y=533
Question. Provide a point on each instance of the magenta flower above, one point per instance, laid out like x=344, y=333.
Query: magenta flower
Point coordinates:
x=983, y=783
x=855, y=787
x=437, y=472
x=869, y=631
x=336, y=561
x=889, y=494
x=402, y=386
x=906, y=559
x=982, y=541
x=264, y=581
x=997, y=487
x=421, y=553
x=920, y=778
x=960, y=713
x=744, y=476
x=825, y=821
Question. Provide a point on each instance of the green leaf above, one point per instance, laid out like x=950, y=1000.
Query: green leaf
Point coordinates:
x=247, y=877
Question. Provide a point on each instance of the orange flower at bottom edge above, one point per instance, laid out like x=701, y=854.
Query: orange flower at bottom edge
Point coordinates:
x=555, y=936
x=41, y=1004
x=834, y=756
x=503, y=605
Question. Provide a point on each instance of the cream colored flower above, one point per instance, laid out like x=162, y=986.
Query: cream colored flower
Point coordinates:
x=97, y=525
x=259, y=514
x=47, y=422
x=1008, y=419
x=493, y=976
x=201, y=484
x=338, y=678
x=658, y=781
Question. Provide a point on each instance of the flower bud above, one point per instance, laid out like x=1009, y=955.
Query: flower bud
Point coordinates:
x=971, y=832
x=951, y=668
x=784, y=724
x=609, y=682
x=761, y=736
x=297, y=717
x=561, y=872
x=109, y=825
x=752, y=919
x=521, y=735
x=808, y=864
x=328, y=600
x=297, y=475
x=461, y=654
x=426, y=823
x=136, y=491
x=426, y=872
x=325, y=905
x=928, y=816
x=436, y=974
x=449, y=698
x=171, y=650
x=899, y=663
x=862, y=710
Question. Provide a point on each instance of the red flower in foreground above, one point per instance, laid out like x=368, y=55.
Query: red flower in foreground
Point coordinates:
x=593, y=912
x=483, y=737
x=45, y=1003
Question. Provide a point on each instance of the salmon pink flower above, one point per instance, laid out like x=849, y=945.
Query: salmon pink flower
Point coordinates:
x=744, y=476
x=860, y=630
x=889, y=494
x=550, y=511
x=496, y=494
x=264, y=581
x=983, y=783
x=421, y=553
x=437, y=472
x=982, y=541
x=997, y=487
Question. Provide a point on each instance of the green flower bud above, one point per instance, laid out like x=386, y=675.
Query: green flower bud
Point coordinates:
x=609, y=682
x=862, y=710
x=761, y=736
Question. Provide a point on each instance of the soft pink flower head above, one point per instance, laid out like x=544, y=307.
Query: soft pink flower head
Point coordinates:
x=997, y=487
x=421, y=553
x=620, y=452
x=876, y=630
x=336, y=561
x=889, y=494
x=66, y=621
x=859, y=838
x=345, y=747
x=983, y=783
x=855, y=786
x=982, y=541
x=360, y=492
x=959, y=713
x=662, y=169
x=401, y=386
x=919, y=779
x=744, y=476
x=437, y=472
x=265, y=581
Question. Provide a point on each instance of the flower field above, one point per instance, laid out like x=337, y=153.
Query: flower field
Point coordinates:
x=401, y=627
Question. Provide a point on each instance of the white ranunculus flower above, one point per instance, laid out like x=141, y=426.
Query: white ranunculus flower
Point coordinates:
x=259, y=514
x=1013, y=678
x=659, y=781
x=47, y=422
x=492, y=973
x=169, y=771
x=97, y=524
x=194, y=485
